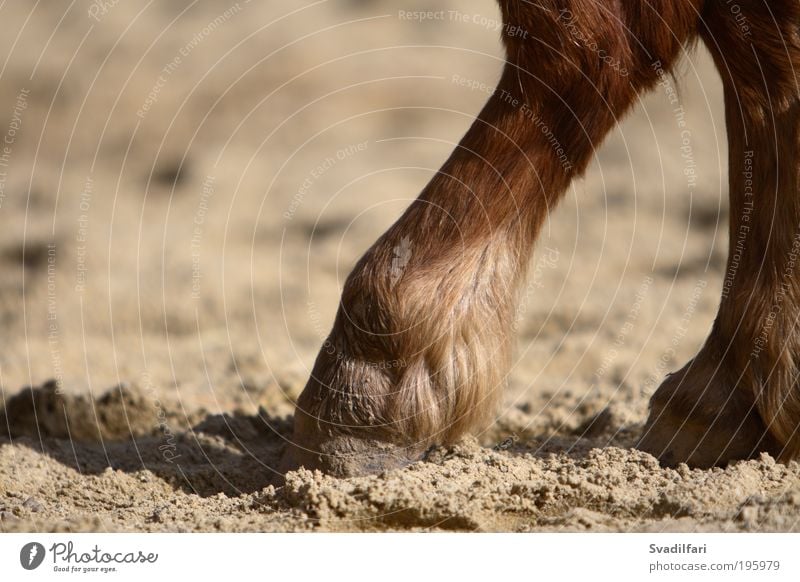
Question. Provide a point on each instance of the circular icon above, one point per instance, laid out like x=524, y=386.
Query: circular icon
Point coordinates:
x=31, y=555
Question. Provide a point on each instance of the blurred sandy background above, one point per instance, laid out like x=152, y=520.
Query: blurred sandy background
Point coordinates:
x=183, y=189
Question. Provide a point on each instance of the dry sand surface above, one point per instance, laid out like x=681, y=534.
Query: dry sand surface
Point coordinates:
x=186, y=187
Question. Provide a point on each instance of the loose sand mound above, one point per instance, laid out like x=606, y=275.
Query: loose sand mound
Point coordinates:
x=217, y=476
x=186, y=191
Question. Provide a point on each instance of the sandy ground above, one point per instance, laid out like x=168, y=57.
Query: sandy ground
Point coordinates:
x=182, y=191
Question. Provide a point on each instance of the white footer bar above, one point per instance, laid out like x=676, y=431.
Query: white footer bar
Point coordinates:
x=379, y=557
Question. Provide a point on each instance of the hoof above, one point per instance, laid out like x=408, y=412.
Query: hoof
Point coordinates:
x=699, y=418
x=343, y=455
x=347, y=456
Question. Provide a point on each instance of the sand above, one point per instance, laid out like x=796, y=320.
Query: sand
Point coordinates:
x=184, y=193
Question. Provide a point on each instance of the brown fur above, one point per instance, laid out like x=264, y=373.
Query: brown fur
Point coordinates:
x=740, y=394
x=419, y=348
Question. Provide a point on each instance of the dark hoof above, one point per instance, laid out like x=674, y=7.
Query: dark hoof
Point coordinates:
x=347, y=456
x=698, y=418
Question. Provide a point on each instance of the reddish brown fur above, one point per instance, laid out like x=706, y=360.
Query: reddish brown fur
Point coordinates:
x=418, y=352
x=739, y=395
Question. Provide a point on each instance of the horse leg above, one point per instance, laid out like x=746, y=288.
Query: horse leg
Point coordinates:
x=420, y=344
x=739, y=396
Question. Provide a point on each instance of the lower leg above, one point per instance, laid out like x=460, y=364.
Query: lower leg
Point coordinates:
x=739, y=395
x=420, y=344
x=419, y=349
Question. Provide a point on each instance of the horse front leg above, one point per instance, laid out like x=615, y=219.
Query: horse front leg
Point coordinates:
x=420, y=345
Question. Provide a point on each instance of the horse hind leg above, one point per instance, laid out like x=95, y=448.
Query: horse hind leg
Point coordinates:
x=739, y=396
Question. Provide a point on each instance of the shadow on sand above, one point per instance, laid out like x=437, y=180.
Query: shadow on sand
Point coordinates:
x=212, y=454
